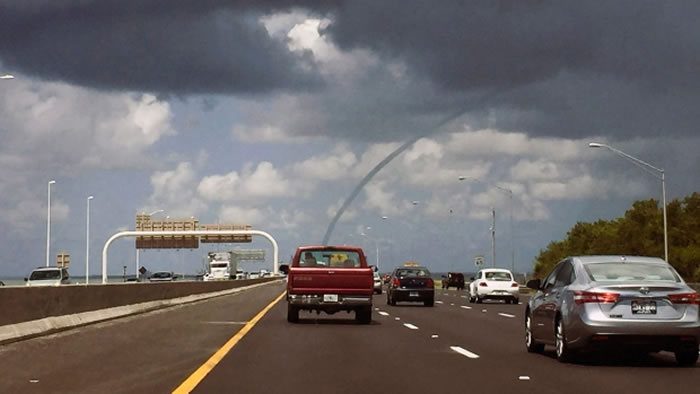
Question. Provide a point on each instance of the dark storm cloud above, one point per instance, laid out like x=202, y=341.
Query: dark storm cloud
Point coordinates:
x=550, y=67
x=164, y=46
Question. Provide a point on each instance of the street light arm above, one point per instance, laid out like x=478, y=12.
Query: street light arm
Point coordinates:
x=638, y=162
x=487, y=183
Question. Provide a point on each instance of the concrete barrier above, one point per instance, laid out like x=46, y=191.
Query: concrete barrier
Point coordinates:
x=22, y=304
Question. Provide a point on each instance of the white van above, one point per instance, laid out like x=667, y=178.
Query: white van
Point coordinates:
x=48, y=276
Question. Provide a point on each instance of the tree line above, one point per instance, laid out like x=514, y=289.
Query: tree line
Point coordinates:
x=639, y=232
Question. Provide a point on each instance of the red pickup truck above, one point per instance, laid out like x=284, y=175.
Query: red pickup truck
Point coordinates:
x=330, y=279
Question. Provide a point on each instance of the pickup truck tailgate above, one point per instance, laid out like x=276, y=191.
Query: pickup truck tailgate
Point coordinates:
x=330, y=280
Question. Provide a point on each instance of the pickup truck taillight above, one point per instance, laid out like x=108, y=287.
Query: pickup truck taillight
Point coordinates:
x=395, y=282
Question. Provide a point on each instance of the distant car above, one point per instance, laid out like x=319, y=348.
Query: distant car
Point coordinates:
x=162, y=276
x=377, y=283
x=453, y=279
x=413, y=284
x=253, y=275
x=494, y=284
x=386, y=278
x=48, y=276
x=612, y=302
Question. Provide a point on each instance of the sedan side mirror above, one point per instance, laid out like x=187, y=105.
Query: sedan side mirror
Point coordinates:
x=534, y=284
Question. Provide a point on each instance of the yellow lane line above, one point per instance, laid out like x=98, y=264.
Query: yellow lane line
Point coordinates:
x=193, y=380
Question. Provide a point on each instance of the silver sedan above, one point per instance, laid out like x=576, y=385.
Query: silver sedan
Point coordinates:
x=602, y=302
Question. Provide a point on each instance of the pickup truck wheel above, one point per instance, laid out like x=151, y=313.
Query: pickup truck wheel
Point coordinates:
x=363, y=315
x=292, y=313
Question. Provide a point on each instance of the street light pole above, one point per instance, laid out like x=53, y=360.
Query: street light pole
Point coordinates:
x=493, y=238
x=87, y=241
x=512, y=232
x=376, y=245
x=48, y=222
x=138, y=254
x=644, y=166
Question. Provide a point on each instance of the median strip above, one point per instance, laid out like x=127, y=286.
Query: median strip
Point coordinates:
x=464, y=352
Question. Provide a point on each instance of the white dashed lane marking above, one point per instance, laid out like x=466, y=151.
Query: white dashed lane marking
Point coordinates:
x=523, y=378
x=465, y=307
x=464, y=352
x=383, y=313
x=438, y=302
x=411, y=326
x=506, y=315
x=397, y=318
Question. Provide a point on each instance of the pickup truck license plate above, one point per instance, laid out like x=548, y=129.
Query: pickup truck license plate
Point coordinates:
x=330, y=298
x=643, y=307
x=413, y=294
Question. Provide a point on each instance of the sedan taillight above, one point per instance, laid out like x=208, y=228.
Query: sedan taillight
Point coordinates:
x=515, y=284
x=483, y=284
x=395, y=282
x=431, y=283
x=684, y=298
x=583, y=297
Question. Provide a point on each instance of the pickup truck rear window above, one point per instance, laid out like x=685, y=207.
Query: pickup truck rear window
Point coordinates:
x=326, y=259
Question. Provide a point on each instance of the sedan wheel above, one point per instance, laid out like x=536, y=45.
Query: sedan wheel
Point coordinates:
x=563, y=353
x=530, y=344
x=687, y=358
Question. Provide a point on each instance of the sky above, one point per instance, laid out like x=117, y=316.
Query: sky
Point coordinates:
x=271, y=112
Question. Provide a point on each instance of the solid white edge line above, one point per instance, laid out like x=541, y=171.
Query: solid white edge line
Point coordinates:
x=411, y=326
x=464, y=352
x=506, y=315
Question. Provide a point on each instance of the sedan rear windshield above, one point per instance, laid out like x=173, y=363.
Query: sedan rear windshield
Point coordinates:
x=630, y=272
x=45, y=275
x=332, y=258
x=413, y=273
x=498, y=276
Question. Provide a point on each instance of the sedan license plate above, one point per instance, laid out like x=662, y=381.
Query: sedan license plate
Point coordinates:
x=644, y=307
x=330, y=298
x=413, y=294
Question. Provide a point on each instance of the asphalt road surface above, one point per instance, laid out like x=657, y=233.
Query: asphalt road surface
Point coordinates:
x=408, y=348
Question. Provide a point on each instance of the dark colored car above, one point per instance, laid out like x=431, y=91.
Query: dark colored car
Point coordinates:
x=453, y=279
x=413, y=284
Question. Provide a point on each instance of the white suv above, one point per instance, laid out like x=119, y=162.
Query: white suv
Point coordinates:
x=48, y=276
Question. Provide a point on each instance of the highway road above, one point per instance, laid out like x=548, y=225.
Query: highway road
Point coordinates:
x=408, y=348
